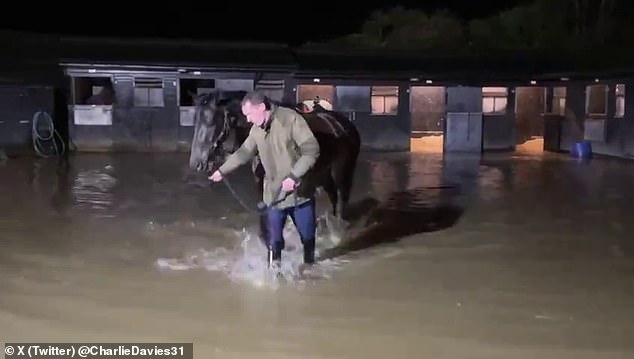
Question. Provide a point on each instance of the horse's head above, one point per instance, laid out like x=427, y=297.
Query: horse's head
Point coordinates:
x=217, y=115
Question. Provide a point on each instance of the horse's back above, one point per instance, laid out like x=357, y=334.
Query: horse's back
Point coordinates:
x=330, y=123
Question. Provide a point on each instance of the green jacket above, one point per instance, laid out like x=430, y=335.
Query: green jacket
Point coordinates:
x=287, y=149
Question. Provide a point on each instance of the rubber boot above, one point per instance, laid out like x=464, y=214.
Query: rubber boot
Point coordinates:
x=309, y=251
x=274, y=257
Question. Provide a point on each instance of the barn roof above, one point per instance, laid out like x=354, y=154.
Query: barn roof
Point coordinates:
x=27, y=53
x=499, y=65
x=181, y=52
x=40, y=49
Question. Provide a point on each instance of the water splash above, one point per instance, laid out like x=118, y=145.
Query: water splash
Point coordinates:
x=247, y=261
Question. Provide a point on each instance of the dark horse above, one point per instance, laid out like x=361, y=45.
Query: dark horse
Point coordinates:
x=220, y=128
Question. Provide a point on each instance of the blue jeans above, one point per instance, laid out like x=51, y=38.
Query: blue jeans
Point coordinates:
x=303, y=216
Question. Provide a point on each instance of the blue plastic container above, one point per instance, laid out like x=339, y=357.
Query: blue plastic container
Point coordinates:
x=582, y=149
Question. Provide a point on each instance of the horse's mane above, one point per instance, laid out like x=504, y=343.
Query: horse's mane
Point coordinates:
x=232, y=100
x=219, y=98
x=224, y=98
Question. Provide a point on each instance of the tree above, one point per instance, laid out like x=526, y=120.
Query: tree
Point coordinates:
x=399, y=27
x=554, y=25
x=531, y=26
x=600, y=21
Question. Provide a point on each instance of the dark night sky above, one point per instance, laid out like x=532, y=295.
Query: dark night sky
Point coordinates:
x=213, y=19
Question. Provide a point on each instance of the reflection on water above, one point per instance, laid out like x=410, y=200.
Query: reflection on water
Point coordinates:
x=93, y=189
x=508, y=255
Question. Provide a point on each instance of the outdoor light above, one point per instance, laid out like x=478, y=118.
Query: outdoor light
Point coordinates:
x=564, y=79
x=428, y=81
x=414, y=79
x=533, y=82
x=196, y=72
x=596, y=80
x=92, y=71
x=316, y=80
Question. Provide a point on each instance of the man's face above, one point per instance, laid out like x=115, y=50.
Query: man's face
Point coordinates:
x=256, y=114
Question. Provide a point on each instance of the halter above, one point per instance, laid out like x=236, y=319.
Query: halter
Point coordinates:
x=224, y=133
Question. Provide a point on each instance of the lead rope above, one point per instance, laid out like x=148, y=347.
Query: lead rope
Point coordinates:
x=262, y=207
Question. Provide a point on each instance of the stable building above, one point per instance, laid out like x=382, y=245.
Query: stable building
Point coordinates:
x=136, y=95
x=123, y=102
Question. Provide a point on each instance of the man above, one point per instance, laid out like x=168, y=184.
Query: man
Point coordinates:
x=287, y=149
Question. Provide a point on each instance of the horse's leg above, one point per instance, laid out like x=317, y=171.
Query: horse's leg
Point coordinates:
x=328, y=183
x=343, y=170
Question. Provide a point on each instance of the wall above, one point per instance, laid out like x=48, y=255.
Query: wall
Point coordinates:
x=379, y=132
x=427, y=105
x=269, y=83
x=140, y=128
x=160, y=124
x=463, y=125
x=124, y=123
x=573, y=122
x=386, y=132
x=499, y=130
x=617, y=133
x=530, y=106
x=427, y=112
x=18, y=104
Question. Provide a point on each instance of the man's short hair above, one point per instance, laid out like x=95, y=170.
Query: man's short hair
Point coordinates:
x=257, y=97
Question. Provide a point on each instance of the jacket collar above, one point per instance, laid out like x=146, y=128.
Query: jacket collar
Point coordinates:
x=266, y=126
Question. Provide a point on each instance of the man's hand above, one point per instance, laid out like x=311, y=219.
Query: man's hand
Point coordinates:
x=288, y=184
x=216, y=176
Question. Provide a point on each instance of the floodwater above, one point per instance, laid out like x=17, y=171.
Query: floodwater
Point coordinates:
x=504, y=256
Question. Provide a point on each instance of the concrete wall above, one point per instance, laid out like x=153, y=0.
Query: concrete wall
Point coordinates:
x=608, y=135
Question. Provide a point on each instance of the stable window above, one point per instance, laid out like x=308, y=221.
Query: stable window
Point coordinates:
x=190, y=88
x=322, y=94
x=494, y=100
x=273, y=89
x=353, y=98
x=315, y=92
x=559, y=101
x=93, y=91
x=148, y=92
x=597, y=100
x=620, y=101
x=384, y=100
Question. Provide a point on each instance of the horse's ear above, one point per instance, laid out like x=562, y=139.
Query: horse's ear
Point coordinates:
x=206, y=99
